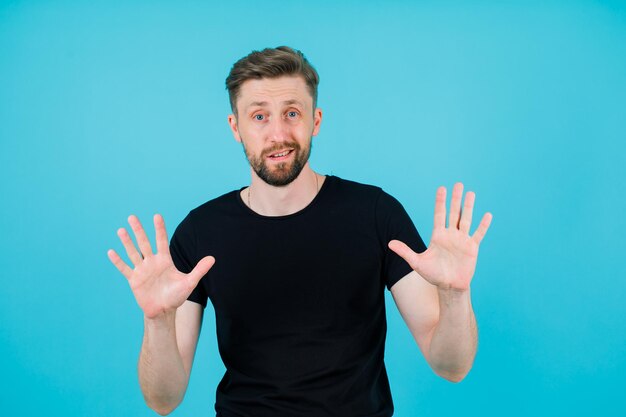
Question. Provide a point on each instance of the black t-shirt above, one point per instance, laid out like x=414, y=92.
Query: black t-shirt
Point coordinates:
x=299, y=299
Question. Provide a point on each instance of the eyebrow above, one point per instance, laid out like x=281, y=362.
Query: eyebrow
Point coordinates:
x=265, y=103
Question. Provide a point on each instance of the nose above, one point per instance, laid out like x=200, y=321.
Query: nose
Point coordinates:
x=278, y=130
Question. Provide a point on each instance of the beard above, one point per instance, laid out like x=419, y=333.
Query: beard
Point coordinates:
x=282, y=173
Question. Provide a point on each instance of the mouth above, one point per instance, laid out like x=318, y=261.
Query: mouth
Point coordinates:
x=281, y=155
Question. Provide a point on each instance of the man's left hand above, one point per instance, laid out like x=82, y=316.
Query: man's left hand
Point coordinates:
x=450, y=260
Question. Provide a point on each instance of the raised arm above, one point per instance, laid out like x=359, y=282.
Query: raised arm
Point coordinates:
x=171, y=324
x=434, y=299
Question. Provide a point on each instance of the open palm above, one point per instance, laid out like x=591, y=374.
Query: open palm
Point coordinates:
x=450, y=260
x=156, y=283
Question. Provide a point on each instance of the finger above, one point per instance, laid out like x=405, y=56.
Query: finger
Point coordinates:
x=466, y=214
x=131, y=251
x=202, y=267
x=455, y=206
x=140, y=235
x=479, y=234
x=161, y=234
x=119, y=263
x=403, y=251
x=440, y=208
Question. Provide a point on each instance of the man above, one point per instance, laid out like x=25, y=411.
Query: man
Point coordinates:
x=295, y=266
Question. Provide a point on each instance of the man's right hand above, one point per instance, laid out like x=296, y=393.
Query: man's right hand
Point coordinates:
x=157, y=285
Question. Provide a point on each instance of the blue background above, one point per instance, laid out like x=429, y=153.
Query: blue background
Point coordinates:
x=112, y=108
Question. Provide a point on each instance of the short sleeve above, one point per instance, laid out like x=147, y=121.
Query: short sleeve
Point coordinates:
x=183, y=250
x=393, y=222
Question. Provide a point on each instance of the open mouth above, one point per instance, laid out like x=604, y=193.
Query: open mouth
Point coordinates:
x=280, y=155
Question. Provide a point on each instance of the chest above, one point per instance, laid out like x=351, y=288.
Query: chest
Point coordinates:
x=296, y=273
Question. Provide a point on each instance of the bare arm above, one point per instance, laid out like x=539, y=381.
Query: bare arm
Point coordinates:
x=455, y=339
x=167, y=352
x=442, y=324
x=434, y=299
x=171, y=324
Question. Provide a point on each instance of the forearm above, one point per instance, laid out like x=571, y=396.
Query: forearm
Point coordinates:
x=162, y=376
x=455, y=338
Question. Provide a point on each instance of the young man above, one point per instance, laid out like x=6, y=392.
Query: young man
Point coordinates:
x=295, y=266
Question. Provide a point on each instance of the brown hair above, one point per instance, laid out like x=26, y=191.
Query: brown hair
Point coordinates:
x=270, y=63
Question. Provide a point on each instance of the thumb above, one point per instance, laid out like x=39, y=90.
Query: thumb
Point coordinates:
x=202, y=267
x=403, y=251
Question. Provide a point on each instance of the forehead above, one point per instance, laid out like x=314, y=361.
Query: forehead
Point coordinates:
x=274, y=91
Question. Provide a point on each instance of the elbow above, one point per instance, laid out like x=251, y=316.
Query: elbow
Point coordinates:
x=163, y=407
x=453, y=376
x=454, y=370
x=163, y=402
x=162, y=410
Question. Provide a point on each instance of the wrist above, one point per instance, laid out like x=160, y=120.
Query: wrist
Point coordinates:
x=448, y=291
x=164, y=318
x=453, y=296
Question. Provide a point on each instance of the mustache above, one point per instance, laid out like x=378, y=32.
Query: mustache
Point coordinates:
x=277, y=147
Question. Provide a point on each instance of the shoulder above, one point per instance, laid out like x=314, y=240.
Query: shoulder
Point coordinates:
x=364, y=193
x=348, y=188
x=211, y=214
x=226, y=203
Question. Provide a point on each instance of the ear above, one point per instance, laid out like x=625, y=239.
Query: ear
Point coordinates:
x=232, y=122
x=317, y=121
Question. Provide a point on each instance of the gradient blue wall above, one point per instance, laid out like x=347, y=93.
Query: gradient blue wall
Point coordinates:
x=111, y=108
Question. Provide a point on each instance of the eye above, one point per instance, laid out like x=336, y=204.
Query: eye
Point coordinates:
x=292, y=114
x=259, y=117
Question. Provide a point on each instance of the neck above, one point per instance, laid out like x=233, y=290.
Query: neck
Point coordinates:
x=269, y=200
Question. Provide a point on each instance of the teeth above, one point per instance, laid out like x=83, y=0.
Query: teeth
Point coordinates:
x=280, y=154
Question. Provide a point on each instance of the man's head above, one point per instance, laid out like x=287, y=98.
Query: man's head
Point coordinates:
x=270, y=63
x=274, y=112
